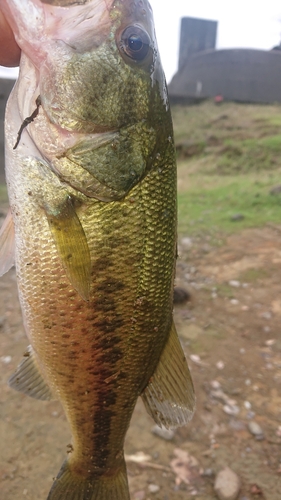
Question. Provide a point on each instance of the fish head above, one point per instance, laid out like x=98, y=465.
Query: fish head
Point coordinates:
x=96, y=66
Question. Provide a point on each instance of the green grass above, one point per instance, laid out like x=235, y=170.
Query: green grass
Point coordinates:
x=233, y=170
x=254, y=274
x=249, y=155
x=212, y=206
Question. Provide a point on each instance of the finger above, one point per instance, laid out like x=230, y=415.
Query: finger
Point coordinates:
x=9, y=50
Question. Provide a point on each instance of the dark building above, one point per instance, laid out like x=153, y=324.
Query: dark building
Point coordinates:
x=6, y=86
x=197, y=35
x=243, y=75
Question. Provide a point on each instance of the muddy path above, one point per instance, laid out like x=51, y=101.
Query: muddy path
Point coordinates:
x=230, y=330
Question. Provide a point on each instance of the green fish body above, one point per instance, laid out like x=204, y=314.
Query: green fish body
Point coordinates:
x=92, y=189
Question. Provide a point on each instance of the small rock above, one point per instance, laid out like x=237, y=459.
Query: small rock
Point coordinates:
x=186, y=242
x=247, y=405
x=270, y=342
x=231, y=409
x=181, y=295
x=275, y=190
x=234, y=302
x=139, y=495
x=266, y=315
x=255, y=429
x=208, y=472
x=6, y=359
x=227, y=484
x=237, y=425
x=197, y=360
x=250, y=415
x=163, y=433
x=237, y=217
x=215, y=384
x=278, y=432
x=220, y=365
x=138, y=458
x=234, y=283
x=220, y=396
x=153, y=488
x=255, y=489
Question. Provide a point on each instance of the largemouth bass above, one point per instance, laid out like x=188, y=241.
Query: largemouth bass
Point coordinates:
x=91, y=176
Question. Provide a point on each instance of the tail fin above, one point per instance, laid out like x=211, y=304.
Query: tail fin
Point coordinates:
x=68, y=486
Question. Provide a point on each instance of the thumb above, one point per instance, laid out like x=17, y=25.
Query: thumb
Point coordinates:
x=9, y=50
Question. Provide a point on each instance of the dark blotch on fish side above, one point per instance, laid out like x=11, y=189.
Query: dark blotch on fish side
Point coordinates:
x=109, y=342
x=101, y=264
x=106, y=400
x=108, y=325
x=110, y=285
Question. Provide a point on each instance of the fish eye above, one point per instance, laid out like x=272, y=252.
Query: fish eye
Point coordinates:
x=135, y=43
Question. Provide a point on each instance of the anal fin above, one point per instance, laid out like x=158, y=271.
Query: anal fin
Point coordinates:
x=28, y=378
x=72, y=246
x=169, y=396
x=7, y=244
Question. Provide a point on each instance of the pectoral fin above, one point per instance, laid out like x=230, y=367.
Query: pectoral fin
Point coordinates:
x=72, y=246
x=169, y=396
x=29, y=379
x=7, y=244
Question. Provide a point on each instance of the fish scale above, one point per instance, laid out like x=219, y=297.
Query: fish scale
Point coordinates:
x=65, y=313
x=93, y=208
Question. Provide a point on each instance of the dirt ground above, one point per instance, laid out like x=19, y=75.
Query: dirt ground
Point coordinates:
x=230, y=330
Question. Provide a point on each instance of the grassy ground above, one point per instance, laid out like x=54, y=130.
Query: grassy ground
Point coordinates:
x=229, y=160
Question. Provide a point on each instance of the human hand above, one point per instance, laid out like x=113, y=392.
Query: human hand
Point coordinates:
x=9, y=50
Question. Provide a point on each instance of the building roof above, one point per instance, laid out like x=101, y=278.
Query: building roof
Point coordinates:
x=245, y=75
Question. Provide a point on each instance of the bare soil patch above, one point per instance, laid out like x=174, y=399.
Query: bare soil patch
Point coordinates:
x=230, y=330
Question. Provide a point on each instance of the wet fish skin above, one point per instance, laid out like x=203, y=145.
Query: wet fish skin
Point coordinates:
x=92, y=188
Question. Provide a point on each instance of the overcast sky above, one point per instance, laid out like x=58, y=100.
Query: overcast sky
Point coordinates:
x=245, y=23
